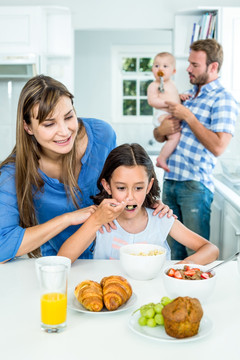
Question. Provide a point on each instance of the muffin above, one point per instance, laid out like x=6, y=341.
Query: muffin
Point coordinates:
x=182, y=317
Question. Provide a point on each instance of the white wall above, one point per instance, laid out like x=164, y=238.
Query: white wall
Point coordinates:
x=123, y=14
x=115, y=21
x=93, y=85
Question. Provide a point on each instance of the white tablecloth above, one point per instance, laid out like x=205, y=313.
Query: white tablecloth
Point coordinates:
x=92, y=337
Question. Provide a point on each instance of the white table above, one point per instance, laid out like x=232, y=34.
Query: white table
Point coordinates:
x=92, y=337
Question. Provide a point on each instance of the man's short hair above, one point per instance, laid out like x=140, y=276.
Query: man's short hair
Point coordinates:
x=212, y=49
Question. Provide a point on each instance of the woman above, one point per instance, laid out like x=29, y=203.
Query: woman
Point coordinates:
x=51, y=172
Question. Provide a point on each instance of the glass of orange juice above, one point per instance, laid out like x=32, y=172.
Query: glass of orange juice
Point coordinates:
x=53, y=284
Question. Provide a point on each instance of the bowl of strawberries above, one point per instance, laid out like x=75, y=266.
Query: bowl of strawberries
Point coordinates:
x=189, y=280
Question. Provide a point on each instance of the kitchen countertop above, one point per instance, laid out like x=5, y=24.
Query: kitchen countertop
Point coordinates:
x=91, y=337
x=229, y=190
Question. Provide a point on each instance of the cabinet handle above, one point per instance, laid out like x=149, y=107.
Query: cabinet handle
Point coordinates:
x=237, y=233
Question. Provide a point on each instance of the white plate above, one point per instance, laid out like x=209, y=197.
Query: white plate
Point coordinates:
x=75, y=305
x=159, y=333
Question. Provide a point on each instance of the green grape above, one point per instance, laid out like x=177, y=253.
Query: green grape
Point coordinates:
x=143, y=311
x=142, y=321
x=158, y=308
x=150, y=313
x=151, y=322
x=144, y=308
x=165, y=300
x=159, y=319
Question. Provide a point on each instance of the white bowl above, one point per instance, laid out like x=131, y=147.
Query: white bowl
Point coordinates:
x=200, y=289
x=142, y=267
x=52, y=260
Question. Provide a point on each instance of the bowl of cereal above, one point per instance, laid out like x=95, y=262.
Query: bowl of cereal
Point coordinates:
x=142, y=261
x=189, y=280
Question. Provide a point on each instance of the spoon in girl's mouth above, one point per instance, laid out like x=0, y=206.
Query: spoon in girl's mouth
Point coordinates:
x=131, y=207
x=114, y=205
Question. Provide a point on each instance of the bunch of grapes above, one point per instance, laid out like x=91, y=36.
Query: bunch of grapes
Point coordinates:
x=151, y=314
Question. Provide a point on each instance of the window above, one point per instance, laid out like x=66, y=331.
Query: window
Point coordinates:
x=135, y=81
x=131, y=75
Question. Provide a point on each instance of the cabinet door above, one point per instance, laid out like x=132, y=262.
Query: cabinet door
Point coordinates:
x=57, y=45
x=19, y=29
x=217, y=210
x=231, y=230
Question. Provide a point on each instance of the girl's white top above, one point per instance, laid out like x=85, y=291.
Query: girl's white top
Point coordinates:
x=108, y=244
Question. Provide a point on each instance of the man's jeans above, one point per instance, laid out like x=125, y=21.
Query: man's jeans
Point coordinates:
x=191, y=202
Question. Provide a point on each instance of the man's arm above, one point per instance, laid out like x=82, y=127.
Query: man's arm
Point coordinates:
x=216, y=142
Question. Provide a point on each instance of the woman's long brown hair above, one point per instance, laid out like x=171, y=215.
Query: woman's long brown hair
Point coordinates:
x=45, y=92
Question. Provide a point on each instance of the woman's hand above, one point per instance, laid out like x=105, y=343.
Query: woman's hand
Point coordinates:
x=79, y=216
x=107, y=211
x=162, y=209
x=111, y=225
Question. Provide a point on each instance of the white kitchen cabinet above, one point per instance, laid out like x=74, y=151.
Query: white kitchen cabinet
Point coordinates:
x=45, y=31
x=227, y=33
x=217, y=214
x=159, y=172
x=231, y=231
x=20, y=27
x=57, y=58
x=225, y=220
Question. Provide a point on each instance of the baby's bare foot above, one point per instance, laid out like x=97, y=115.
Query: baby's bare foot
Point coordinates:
x=162, y=164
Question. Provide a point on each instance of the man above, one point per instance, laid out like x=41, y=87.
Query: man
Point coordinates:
x=207, y=122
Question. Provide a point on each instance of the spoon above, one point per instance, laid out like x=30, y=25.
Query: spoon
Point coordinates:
x=224, y=261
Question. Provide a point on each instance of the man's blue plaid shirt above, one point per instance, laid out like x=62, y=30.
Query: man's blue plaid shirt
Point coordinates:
x=217, y=110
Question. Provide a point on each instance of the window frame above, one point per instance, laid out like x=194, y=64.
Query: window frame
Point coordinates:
x=129, y=51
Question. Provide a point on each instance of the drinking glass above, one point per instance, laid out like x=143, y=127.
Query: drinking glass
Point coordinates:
x=53, y=285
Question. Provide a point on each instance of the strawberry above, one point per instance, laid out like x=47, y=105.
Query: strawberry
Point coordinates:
x=189, y=272
x=205, y=275
x=171, y=272
x=178, y=275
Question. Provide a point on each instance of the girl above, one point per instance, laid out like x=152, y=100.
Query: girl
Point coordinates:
x=128, y=179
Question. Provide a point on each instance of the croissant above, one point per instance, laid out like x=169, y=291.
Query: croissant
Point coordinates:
x=89, y=294
x=116, y=291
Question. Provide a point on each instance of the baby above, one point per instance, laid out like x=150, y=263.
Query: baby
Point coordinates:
x=161, y=90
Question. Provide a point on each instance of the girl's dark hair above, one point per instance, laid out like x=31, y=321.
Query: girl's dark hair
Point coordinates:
x=128, y=155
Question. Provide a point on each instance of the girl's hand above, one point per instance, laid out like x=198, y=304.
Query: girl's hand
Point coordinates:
x=162, y=209
x=107, y=211
x=185, y=261
x=79, y=216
